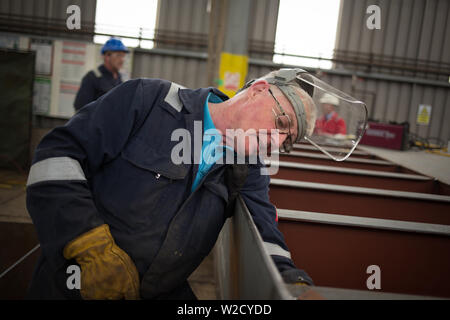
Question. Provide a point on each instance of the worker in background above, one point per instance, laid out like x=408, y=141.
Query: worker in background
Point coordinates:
x=105, y=77
x=104, y=191
x=330, y=123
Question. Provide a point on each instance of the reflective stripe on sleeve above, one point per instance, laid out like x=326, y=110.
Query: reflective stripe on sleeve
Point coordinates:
x=172, y=97
x=51, y=169
x=275, y=250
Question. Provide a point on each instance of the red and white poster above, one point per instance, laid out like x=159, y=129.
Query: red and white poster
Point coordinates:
x=72, y=60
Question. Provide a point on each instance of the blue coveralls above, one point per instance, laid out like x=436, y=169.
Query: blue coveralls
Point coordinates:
x=111, y=163
x=95, y=84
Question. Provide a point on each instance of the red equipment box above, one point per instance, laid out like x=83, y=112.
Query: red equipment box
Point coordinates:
x=383, y=135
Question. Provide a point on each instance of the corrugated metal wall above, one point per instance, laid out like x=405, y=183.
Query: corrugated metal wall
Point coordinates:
x=410, y=29
x=170, y=65
x=182, y=24
x=188, y=21
x=177, y=66
x=49, y=14
x=52, y=9
x=183, y=16
x=262, y=28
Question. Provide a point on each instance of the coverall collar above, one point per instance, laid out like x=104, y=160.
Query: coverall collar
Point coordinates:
x=194, y=100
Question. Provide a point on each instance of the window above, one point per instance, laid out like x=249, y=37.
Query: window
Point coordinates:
x=306, y=28
x=126, y=18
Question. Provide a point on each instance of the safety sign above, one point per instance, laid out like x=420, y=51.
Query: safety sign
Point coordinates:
x=423, y=114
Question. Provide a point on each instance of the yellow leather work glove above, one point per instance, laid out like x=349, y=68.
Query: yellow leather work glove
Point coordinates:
x=107, y=272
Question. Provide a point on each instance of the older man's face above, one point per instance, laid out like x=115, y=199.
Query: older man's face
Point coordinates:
x=257, y=118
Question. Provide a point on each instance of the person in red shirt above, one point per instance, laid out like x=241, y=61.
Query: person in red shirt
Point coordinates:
x=330, y=123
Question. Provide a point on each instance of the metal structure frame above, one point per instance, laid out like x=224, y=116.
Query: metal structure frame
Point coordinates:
x=245, y=270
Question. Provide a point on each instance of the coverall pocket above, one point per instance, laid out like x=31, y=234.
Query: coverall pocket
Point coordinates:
x=145, y=157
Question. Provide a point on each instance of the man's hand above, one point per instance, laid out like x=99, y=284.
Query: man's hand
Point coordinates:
x=107, y=272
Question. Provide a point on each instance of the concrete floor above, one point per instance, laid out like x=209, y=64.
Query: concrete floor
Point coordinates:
x=12, y=197
x=17, y=235
x=429, y=164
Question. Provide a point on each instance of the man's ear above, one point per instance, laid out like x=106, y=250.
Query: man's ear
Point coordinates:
x=258, y=87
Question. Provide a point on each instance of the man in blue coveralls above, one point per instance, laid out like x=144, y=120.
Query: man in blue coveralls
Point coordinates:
x=99, y=81
x=105, y=193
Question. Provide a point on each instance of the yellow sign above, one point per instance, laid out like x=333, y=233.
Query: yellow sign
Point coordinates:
x=232, y=72
x=423, y=114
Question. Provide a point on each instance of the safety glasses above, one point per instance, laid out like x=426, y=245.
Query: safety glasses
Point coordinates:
x=283, y=124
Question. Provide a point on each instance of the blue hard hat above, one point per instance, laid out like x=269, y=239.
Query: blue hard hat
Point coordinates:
x=114, y=44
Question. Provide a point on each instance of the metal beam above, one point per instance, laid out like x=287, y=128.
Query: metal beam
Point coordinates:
x=325, y=293
x=244, y=267
x=315, y=167
x=322, y=156
x=311, y=147
x=363, y=222
x=360, y=190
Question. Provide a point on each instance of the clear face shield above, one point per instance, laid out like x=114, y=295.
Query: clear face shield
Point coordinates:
x=329, y=119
